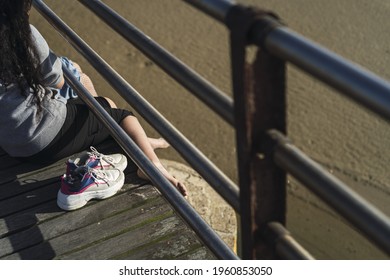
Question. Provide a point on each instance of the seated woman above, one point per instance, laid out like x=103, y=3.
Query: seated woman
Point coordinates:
x=36, y=122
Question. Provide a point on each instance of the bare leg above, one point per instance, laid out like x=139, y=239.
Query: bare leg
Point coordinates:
x=85, y=80
x=134, y=129
x=87, y=83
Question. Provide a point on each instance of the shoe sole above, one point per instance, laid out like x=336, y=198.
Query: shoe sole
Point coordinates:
x=72, y=202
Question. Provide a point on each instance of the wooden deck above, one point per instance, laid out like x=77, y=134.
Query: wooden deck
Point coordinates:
x=136, y=223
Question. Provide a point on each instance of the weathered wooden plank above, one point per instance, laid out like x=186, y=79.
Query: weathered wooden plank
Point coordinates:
x=16, y=187
x=23, y=175
x=28, y=199
x=201, y=253
x=25, y=169
x=29, y=217
x=119, y=244
x=17, y=223
x=168, y=247
x=93, y=233
x=49, y=210
x=93, y=213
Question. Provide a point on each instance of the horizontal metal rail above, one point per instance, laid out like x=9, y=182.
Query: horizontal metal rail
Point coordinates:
x=286, y=246
x=359, y=84
x=360, y=213
x=180, y=204
x=200, y=87
x=218, y=180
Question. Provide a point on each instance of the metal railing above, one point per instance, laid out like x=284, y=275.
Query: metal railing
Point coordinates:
x=262, y=132
x=264, y=153
x=204, y=231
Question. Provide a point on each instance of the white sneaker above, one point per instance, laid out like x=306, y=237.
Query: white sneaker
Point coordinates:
x=85, y=183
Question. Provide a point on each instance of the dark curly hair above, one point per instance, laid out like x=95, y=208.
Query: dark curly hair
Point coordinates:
x=19, y=61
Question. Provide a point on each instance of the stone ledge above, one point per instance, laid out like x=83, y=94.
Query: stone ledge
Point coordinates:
x=207, y=202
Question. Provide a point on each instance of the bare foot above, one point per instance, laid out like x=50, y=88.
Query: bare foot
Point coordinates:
x=158, y=143
x=178, y=185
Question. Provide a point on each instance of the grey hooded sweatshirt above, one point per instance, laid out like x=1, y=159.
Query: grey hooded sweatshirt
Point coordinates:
x=24, y=131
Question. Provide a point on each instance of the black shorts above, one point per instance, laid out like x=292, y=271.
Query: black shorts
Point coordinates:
x=81, y=130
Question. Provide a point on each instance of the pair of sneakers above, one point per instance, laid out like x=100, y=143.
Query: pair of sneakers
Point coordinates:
x=93, y=175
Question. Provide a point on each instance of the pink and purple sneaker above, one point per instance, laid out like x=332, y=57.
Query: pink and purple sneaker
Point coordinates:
x=85, y=183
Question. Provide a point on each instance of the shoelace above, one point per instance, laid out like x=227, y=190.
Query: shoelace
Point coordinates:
x=99, y=156
x=96, y=174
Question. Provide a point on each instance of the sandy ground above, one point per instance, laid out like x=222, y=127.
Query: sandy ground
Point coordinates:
x=342, y=136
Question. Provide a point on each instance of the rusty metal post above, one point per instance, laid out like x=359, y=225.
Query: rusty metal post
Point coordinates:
x=260, y=105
